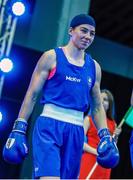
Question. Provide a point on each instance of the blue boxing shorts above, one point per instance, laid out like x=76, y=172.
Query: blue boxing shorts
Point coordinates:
x=57, y=148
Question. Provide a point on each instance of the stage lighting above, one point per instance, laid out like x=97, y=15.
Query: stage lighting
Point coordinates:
x=18, y=8
x=6, y=65
x=1, y=116
x=4, y=121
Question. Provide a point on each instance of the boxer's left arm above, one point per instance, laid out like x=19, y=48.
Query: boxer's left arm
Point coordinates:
x=108, y=154
x=97, y=109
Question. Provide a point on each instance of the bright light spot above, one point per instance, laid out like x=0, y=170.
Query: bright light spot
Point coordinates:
x=0, y=116
x=18, y=8
x=6, y=65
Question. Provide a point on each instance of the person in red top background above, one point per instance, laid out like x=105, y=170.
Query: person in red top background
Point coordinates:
x=90, y=147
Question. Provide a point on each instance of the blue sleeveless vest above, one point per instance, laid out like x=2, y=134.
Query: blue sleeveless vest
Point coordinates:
x=71, y=85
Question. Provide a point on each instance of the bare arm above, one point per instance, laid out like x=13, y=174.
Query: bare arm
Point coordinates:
x=86, y=146
x=97, y=110
x=39, y=77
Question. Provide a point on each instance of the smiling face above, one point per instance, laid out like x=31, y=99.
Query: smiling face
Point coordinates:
x=82, y=36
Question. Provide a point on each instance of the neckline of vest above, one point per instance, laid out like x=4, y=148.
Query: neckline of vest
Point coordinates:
x=85, y=57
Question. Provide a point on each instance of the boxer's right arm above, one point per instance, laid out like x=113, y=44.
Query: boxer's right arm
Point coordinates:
x=39, y=77
x=16, y=146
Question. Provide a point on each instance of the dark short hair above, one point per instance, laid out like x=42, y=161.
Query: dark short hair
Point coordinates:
x=82, y=19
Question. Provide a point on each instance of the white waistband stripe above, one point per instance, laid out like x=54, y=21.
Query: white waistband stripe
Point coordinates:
x=62, y=114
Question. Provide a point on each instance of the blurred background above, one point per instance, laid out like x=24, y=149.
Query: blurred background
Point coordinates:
x=43, y=26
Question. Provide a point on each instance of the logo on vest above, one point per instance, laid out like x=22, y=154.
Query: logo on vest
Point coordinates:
x=74, y=79
x=89, y=82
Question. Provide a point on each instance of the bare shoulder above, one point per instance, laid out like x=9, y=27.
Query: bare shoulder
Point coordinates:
x=49, y=56
x=47, y=60
x=96, y=88
x=50, y=53
x=98, y=71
